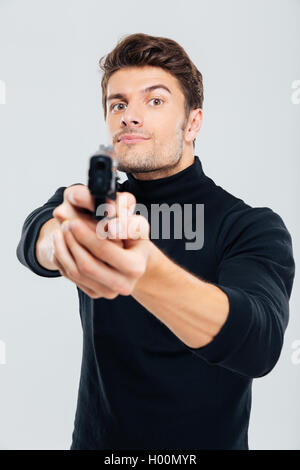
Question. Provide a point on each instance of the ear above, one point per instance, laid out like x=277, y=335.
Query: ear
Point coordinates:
x=194, y=124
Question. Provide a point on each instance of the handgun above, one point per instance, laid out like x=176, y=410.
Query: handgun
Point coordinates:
x=102, y=178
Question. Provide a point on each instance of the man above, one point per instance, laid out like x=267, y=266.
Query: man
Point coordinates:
x=172, y=336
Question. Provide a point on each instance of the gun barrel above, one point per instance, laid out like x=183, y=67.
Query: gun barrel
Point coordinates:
x=102, y=179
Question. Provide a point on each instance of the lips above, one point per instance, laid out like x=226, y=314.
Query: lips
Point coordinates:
x=131, y=139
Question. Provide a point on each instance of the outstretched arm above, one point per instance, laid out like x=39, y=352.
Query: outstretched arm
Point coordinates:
x=193, y=309
x=239, y=322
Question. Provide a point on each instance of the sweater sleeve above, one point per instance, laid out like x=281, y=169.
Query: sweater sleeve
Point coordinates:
x=30, y=233
x=256, y=271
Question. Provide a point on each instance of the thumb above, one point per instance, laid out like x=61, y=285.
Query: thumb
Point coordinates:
x=79, y=196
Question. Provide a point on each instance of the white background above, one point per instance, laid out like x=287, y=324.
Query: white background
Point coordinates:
x=248, y=53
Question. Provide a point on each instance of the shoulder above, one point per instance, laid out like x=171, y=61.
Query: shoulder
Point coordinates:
x=235, y=216
x=243, y=220
x=240, y=224
x=255, y=233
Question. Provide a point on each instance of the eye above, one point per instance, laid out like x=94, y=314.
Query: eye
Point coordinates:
x=156, y=99
x=113, y=107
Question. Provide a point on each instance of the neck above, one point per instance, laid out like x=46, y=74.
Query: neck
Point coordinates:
x=184, y=162
x=176, y=187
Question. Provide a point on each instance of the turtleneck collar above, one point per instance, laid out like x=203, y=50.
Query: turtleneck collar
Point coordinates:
x=171, y=187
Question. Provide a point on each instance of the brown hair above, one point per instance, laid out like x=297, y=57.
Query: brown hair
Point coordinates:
x=140, y=50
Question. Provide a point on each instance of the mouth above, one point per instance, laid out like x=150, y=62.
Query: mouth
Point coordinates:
x=131, y=140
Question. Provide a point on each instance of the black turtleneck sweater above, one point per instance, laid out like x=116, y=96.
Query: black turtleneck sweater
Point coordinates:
x=141, y=387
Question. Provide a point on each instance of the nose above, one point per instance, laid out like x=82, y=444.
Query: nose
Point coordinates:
x=131, y=117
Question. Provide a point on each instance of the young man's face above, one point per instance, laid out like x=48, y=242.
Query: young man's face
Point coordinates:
x=158, y=115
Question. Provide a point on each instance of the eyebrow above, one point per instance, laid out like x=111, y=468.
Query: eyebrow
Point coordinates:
x=121, y=96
